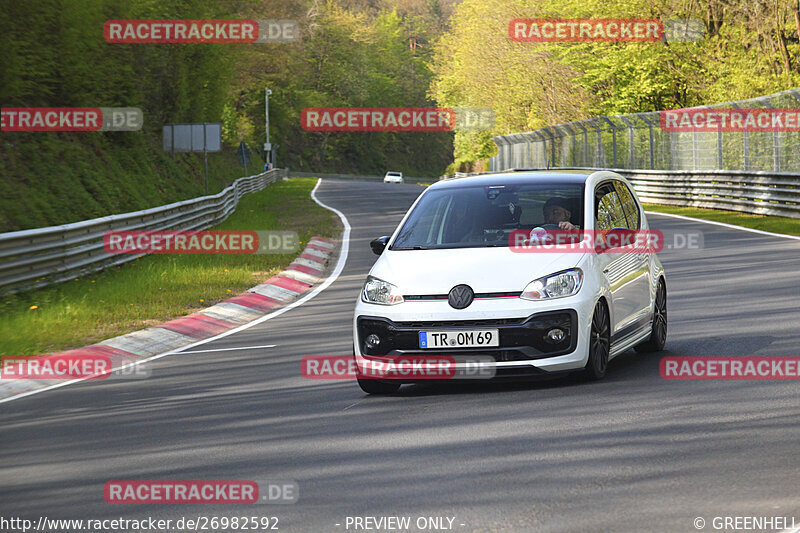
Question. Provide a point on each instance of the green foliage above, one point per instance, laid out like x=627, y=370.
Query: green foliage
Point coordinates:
x=350, y=55
x=54, y=55
x=749, y=50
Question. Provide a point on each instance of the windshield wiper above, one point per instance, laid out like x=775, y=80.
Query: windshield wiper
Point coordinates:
x=414, y=248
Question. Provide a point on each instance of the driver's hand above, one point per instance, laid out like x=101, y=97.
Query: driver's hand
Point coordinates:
x=566, y=225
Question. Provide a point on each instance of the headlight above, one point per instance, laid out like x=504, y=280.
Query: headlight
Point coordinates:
x=558, y=285
x=377, y=291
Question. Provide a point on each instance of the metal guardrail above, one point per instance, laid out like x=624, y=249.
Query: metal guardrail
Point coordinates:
x=761, y=192
x=44, y=256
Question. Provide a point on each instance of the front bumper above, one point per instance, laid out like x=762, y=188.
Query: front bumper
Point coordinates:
x=519, y=339
x=521, y=324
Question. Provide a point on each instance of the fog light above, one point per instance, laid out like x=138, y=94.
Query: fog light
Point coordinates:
x=555, y=335
x=372, y=341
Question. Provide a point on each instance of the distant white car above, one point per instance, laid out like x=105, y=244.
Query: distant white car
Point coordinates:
x=393, y=177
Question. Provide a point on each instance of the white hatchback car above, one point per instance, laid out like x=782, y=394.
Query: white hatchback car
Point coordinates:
x=393, y=177
x=450, y=280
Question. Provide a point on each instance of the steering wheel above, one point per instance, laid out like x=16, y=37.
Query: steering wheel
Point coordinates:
x=547, y=227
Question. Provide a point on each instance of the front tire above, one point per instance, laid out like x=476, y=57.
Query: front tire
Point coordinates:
x=373, y=386
x=658, y=334
x=599, y=343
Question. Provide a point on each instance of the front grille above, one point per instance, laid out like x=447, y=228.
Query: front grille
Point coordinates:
x=477, y=296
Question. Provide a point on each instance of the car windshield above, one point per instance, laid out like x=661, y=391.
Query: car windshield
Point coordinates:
x=481, y=216
x=392, y=173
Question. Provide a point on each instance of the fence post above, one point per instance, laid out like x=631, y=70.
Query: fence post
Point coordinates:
x=598, y=154
x=746, y=149
x=585, y=145
x=631, y=155
x=614, y=143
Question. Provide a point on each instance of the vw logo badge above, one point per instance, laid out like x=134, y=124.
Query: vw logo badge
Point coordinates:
x=460, y=296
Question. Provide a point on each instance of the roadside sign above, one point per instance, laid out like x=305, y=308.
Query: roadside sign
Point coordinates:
x=201, y=137
x=243, y=153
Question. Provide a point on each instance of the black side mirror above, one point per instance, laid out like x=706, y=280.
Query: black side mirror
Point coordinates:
x=379, y=245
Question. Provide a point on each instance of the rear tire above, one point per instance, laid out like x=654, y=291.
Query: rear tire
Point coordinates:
x=658, y=334
x=599, y=343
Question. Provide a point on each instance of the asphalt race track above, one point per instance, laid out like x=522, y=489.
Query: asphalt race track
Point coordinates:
x=633, y=452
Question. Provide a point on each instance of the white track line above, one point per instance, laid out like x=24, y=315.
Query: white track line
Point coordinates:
x=179, y=351
x=724, y=225
x=327, y=283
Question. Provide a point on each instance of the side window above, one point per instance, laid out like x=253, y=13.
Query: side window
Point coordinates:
x=610, y=213
x=629, y=205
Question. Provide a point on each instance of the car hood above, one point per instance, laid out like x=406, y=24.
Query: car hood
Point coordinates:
x=484, y=269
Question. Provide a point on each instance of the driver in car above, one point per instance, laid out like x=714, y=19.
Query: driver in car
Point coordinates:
x=557, y=211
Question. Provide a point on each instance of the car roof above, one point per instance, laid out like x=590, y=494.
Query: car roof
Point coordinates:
x=518, y=177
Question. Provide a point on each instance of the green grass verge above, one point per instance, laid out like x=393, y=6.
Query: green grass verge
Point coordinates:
x=789, y=226
x=156, y=288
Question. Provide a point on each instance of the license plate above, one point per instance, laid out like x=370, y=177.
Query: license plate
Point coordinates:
x=478, y=338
